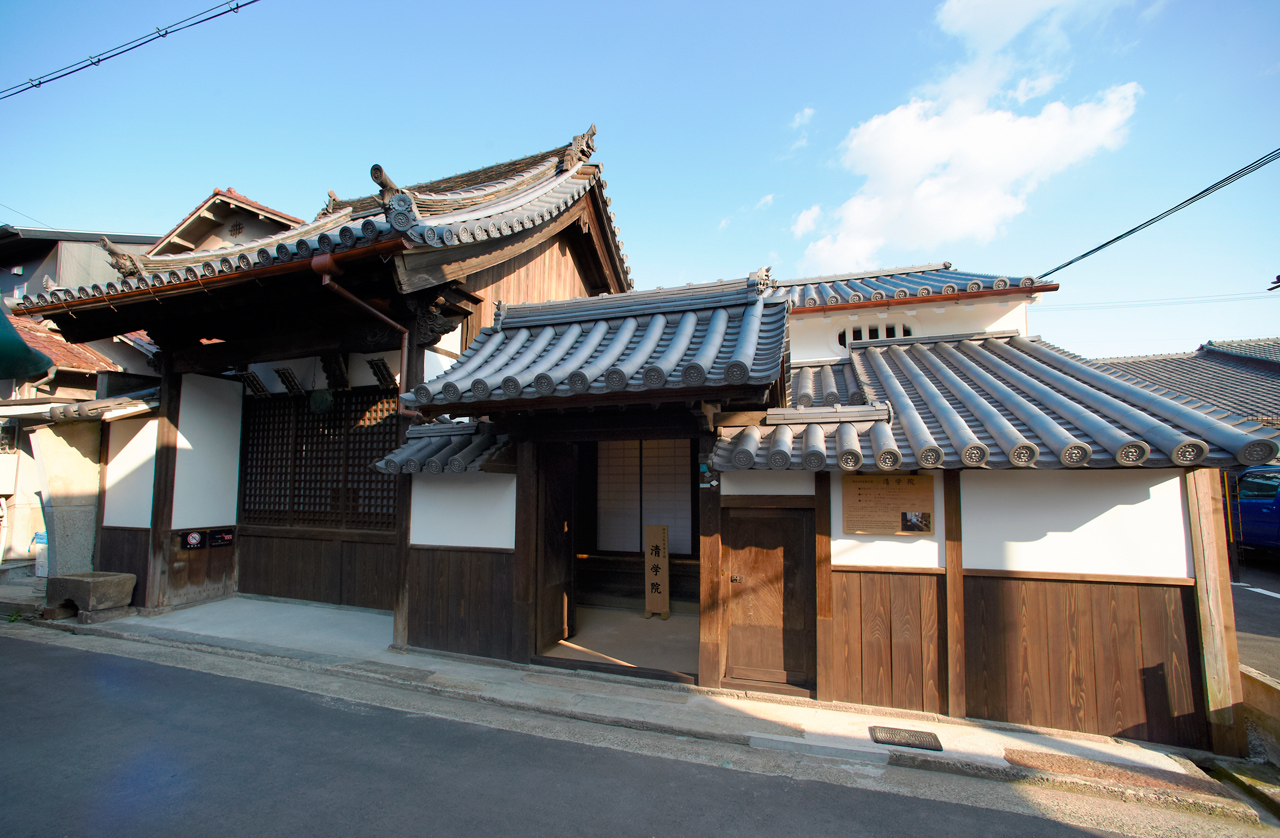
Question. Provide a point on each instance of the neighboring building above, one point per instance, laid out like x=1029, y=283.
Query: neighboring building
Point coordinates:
x=876, y=489
x=280, y=357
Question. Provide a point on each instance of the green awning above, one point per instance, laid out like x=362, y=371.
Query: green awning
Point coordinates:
x=17, y=360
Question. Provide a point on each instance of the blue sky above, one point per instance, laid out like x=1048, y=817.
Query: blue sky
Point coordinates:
x=1004, y=137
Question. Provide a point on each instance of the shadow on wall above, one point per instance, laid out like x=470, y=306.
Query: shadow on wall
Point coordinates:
x=1065, y=500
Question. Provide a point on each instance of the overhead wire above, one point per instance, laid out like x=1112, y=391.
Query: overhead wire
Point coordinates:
x=129, y=46
x=1226, y=181
x=1166, y=301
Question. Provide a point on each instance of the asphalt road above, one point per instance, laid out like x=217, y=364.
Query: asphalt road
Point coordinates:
x=1257, y=614
x=100, y=745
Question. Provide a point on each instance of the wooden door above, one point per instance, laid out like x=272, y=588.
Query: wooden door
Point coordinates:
x=558, y=476
x=772, y=607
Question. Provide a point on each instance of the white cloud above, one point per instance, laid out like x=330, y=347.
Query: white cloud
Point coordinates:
x=765, y=202
x=806, y=221
x=961, y=159
x=944, y=172
x=801, y=118
x=800, y=143
x=724, y=222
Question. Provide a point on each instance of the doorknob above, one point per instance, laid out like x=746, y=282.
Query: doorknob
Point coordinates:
x=735, y=579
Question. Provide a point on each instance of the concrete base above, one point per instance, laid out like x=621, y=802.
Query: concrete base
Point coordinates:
x=104, y=614
x=93, y=591
x=626, y=638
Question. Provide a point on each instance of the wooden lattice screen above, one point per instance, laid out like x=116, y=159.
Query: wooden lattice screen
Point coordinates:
x=306, y=469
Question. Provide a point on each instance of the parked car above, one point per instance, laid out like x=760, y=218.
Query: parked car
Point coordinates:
x=1259, y=508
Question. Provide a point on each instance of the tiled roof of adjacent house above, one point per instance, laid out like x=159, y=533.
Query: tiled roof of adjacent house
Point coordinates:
x=985, y=401
x=474, y=208
x=445, y=448
x=73, y=356
x=1241, y=376
x=713, y=335
x=899, y=284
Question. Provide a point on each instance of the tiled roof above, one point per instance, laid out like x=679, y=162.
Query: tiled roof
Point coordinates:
x=233, y=197
x=66, y=355
x=492, y=210
x=993, y=401
x=95, y=408
x=712, y=335
x=444, y=448
x=1239, y=376
x=897, y=284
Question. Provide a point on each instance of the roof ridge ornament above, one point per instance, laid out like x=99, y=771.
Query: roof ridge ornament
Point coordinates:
x=126, y=263
x=580, y=150
x=397, y=204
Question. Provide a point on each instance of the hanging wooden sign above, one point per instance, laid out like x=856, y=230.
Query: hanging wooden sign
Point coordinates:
x=894, y=504
x=657, y=596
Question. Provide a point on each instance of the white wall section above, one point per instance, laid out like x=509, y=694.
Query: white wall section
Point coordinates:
x=1122, y=522
x=761, y=482
x=206, y=477
x=472, y=509
x=131, y=472
x=849, y=550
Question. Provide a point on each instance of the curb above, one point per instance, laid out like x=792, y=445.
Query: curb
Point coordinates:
x=417, y=679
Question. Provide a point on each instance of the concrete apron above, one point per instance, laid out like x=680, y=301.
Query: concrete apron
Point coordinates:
x=352, y=643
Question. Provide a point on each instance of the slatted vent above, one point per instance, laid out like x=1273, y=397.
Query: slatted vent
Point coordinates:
x=905, y=738
x=307, y=469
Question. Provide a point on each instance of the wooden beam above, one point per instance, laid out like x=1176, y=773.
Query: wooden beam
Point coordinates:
x=1224, y=694
x=825, y=625
x=162, y=488
x=711, y=620
x=954, y=558
x=525, y=568
x=413, y=371
x=104, y=452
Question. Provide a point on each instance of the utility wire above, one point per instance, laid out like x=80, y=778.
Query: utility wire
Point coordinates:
x=94, y=60
x=1166, y=301
x=1226, y=181
x=24, y=215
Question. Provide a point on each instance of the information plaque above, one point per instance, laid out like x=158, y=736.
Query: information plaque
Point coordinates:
x=657, y=574
x=894, y=504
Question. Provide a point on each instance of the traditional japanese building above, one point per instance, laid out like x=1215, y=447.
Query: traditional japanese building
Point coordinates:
x=871, y=488
x=281, y=347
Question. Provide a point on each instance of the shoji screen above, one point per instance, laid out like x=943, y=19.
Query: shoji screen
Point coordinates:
x=643, y=481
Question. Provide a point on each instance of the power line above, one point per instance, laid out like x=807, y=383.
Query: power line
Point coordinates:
x=1226, y=181
x=24, y=215
x=1166, y=301
x=94, y=60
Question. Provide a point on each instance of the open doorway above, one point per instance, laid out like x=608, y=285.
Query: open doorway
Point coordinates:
x=592, y=567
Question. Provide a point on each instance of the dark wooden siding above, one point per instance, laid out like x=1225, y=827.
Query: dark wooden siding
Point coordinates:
x=460, y=600
x=887, y=638
x=1118, y=660
x=196, y=575
x=342, y=568
x=546, y=272
x=127, y=550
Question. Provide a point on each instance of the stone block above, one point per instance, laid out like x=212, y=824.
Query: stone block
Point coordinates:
x=88, y=617
x=93, y=591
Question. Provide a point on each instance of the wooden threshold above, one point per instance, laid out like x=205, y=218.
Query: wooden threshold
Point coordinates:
x=766, y=687
x=616, y=669
x=878, y=568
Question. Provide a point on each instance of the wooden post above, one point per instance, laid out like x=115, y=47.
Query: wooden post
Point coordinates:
x=162, y=489
x=525, y=570
x=954, y=557
x=1224, y=694
x=711, y=620
x=825, y=625
x=104, y=453
x=412, y=371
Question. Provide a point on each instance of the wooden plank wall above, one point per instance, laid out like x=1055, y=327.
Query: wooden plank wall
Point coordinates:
x=545, y=272
x=460, y=600
x=1114, y=659
x=350, y=569
x=126, y=550
x=887, y=639
x=196, y=575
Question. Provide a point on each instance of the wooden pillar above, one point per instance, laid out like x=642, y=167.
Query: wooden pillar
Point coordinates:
x=954, y=557
x=413, y=372
x=825, y=626
x=104, y=453
x=711, y=585
x=162, y=490
x=1224, y=694
x=525, y=570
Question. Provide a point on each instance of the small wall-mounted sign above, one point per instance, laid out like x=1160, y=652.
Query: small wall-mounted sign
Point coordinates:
x=895, y=504
x=221, y=538
x=657, y=596
x=194, y=540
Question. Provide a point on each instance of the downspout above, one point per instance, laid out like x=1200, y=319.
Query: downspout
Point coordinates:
x=324, y=265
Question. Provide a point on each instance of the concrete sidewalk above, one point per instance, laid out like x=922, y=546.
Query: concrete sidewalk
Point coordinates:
x=352, y=643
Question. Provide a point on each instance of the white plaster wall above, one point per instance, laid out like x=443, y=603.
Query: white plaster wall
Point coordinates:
x=1123, y=522
x=761, y=482
x=358, y=367
x=473, y=509
x=207, y=474
x=849, y=550
x=816, y=336
x=131, y=471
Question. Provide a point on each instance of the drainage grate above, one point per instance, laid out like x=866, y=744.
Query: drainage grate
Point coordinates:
x=905, y=738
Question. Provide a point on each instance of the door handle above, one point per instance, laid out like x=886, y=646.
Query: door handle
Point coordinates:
x=735, y=579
